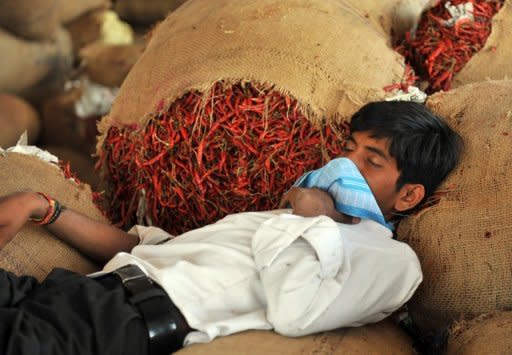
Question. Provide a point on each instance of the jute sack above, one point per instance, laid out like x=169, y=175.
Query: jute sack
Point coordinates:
x=33, y=68
x=16, y=117
x=69, y=10
x=79, y=163
x=86, y=29
x=30, y=19
x=394, y=17
x=487, y=334
x=35, y=251
x=110, y=64
x=464, y=242
x=145, y=12
x=62, y=126
x=382, y=338
x=493, y=60
x=321, y=52
x=226, y=84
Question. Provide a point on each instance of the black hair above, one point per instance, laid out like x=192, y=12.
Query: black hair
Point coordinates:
x=426, y=149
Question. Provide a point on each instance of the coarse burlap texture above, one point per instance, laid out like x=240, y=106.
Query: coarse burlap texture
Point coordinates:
x=488, y=334
x=16, y=117
x=33, y=68
x=35, y=251
x=493, y=60
x=322, y=52
x=145, y=12
x=464, y=242
x=108, y=64
x=383, y=338
x=393, y=17
x=30, y=19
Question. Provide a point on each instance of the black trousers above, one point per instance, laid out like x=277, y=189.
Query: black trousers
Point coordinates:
x=68, y=314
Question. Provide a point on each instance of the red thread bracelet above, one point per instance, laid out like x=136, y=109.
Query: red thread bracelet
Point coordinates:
x=49, y=213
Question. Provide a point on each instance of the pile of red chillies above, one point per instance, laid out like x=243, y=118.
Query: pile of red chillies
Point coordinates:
x=237, y=148
x=438, y=52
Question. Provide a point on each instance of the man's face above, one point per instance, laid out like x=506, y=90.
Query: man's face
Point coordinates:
x=378, y=167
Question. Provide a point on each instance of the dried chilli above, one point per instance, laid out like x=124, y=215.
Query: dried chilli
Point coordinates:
x=440, y=47
x=235, y=148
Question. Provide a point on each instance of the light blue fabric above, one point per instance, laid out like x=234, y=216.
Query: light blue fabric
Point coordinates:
x=342, y=180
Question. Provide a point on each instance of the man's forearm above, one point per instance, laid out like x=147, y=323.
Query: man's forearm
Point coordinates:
x=100, y=241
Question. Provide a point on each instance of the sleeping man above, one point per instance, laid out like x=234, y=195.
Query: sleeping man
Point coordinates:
x=328, y=262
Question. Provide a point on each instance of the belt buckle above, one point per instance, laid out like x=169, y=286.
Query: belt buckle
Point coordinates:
x=129, y=273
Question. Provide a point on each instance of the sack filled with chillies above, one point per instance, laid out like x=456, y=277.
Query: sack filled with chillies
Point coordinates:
x=464, y=241
x=393, y=17
x=450, y=33
x=231, y=102
x=34, y=250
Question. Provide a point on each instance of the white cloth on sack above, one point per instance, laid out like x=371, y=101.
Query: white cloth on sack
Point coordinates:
x=275, y=270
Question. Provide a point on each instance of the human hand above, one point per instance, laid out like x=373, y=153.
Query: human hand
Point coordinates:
x=15, y=210
x=312, y=202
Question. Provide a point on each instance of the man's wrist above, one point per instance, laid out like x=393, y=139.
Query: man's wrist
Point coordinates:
x=38, y=204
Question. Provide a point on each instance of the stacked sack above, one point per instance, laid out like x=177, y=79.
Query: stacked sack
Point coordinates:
x=34, y=250
x=485, y=334
x=459, y=42
x=382, y=338
x=463, y=242
x=36, y=50
x=231, y=101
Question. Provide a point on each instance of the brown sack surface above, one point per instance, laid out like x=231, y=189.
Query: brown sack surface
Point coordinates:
x=30, y=19
x=493, y=60
x=34, y=68
x=322, y=52
x=145, y=12
x=110, y=64
x=383, y=338
x=17, y=116
x=70, y=10
x=487, y=334
x=35, y=251
x=464, y=242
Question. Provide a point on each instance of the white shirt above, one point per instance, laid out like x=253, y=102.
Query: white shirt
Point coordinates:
x=275, y=270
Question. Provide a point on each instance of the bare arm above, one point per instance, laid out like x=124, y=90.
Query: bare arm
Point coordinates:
x=312, y=202
x=98, y=240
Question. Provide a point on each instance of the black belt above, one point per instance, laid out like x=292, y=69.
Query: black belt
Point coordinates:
x=167, y=328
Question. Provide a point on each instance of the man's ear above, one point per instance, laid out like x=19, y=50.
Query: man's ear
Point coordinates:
x=409, y=196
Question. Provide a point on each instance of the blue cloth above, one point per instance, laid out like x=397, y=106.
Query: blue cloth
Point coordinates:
x=341, y=179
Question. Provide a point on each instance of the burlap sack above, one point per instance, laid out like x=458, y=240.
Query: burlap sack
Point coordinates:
x=487, y=334
x=379, y=339
x=493, y=60
x=35, y=251
x=86, y=29
x=30, y=19
x=16, y=117
x=70, y=10
x=81, y=164
x=464, y=242
x=110, y=64
x=394, y=17
x=145, y=12
x=34, y=68
x=321, y=52
x=62, y=126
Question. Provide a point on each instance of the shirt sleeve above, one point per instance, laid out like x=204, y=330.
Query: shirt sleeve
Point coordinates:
x=315, y=279
x=150, y=235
